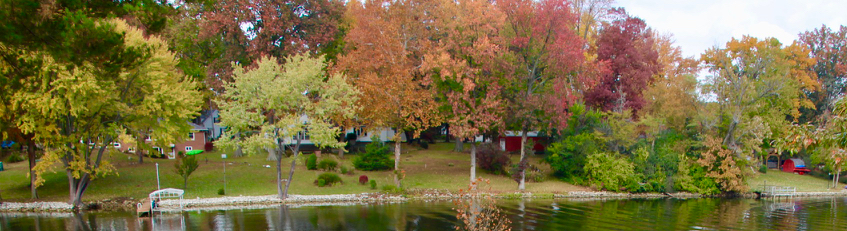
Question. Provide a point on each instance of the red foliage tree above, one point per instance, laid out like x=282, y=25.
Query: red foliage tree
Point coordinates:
x=627, y=45
x=249, y=29
x=544, y=51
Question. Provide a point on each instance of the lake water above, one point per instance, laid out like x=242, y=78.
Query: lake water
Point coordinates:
x=529, y=214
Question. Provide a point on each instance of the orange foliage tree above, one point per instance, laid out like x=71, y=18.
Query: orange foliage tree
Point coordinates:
x=385, y=50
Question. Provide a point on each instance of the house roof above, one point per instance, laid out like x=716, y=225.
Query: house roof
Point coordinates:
x=197, y=127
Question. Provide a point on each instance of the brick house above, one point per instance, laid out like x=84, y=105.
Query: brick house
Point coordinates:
x=196, y=140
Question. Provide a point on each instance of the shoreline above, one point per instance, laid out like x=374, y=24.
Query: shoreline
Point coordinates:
x=268, y=201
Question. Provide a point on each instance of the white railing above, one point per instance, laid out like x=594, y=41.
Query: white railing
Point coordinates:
x=779, y=191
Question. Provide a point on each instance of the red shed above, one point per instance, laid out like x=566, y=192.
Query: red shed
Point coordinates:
x=511, y=141
x=795, y=165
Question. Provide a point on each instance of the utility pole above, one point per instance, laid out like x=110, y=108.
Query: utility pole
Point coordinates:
x=223, y=156
x=158, y=185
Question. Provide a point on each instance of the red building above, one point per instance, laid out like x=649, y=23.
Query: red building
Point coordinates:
x=511, y=141
x=795, y=165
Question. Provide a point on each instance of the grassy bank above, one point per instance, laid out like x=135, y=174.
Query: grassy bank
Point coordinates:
x=803, y=183
x=434, y=168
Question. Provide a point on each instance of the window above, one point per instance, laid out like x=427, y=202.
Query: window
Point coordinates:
x=191, y=136
x=131, y=150
x=188, y=148
x=117, y=145
x=147, y=138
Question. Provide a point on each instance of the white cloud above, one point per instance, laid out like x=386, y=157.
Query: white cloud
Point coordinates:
x=699, y=25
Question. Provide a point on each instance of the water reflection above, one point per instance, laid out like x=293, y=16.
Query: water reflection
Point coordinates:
x=527, y=214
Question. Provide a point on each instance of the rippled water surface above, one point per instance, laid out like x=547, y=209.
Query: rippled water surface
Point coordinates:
x=564, y=214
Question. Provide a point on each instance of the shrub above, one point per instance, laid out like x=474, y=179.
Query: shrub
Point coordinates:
x=490, y=158
x=373, y=184
x=423, y=144
x=567, y=157
x=610, y=172
x=328, y=179
x=15, y=157
x=221, y=191
x=374, y=158
x=517, y=168
x=391, y=189
x=763, y=169
x=312, y=162
x=328, y=165
x=346, y=170
x=364, y=180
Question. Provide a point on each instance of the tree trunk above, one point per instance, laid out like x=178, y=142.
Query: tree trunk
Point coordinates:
x=522, y=184
x=238, y=152
x=473, y=162
x=290, y=171
x=341, y=149
x=397, y=172
x=185, y=183
x=30, y=152
x=272, y=156
x=140, y=156
x=459, y=145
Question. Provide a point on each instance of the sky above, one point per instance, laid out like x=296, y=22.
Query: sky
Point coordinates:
x=699, y=25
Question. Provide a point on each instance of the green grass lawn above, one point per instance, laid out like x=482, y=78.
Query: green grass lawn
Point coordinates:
x=434, y=168
x=803, y=183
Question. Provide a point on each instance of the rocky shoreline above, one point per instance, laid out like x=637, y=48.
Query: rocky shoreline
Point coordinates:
x=235, y=202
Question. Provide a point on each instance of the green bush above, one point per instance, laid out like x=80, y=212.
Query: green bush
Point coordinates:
x=328, y=179
x=346, y=170
x=391, y=189
x=15, y=157
x=328, y=165
x=221, y=191
x=763, y=168
x=373, y=184
x=567, y=157
x=692, y=178
x=375, y=157
x=608, y=171
x=312, y=162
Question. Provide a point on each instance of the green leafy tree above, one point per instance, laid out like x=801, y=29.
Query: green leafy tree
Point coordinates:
x=277, y=106
x=757, y=84
x=184, y=167
x=76, y=112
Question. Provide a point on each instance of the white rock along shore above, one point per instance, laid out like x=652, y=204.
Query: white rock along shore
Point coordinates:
x=236, y=202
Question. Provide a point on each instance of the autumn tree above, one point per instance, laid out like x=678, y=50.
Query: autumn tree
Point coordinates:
x=385, y=50
x=77, y=111
x=242, y=31
x=829, y=49
x=672, y=97
x=64, y=31
x=590, y=15
x=544, y=53
x=465, y=69
x=278, y=106
x=627, y=45
x=757, y=85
